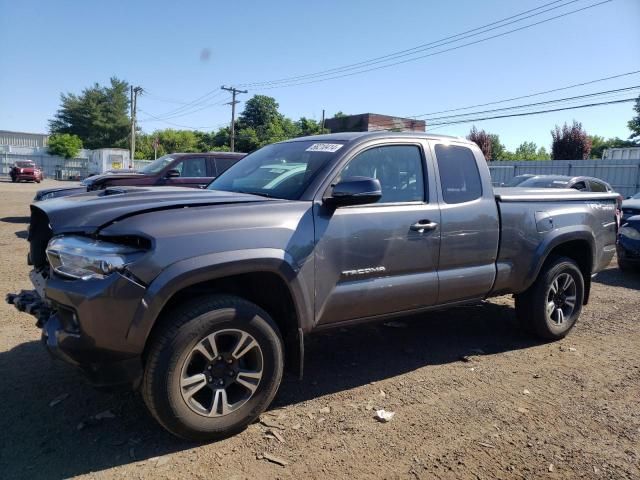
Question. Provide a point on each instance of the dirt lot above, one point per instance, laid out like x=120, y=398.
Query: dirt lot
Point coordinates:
x=516, y=408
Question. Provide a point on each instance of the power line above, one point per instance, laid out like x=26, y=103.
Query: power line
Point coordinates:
x=529, y=95
x=589, y=105
x=588, y=95
x=605, y=93
x=178, y=124
x=416, y=49
x=190, y=112
x=194, y=103
x=438, y=52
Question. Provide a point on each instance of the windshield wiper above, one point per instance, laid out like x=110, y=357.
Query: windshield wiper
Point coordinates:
x=260, y=194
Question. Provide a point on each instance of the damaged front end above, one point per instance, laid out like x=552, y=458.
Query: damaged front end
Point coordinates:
x=84, y=299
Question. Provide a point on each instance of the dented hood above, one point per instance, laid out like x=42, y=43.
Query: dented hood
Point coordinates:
x=89, y=212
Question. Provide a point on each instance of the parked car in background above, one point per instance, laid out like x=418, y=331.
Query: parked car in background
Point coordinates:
x=631, y=207
x=26, y=171
x=517, y=180
x=583, y=184
x=628, y=244
x=194, y=170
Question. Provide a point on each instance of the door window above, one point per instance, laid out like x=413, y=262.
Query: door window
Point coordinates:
x=582, y=186
x=597, y=186
x=192, y=167
x=398, y=168
x=459, y=175
x=223, y=164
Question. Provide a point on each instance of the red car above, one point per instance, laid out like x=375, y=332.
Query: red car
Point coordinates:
x=26, y=170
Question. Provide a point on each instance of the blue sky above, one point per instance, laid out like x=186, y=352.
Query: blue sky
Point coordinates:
x=51, y=47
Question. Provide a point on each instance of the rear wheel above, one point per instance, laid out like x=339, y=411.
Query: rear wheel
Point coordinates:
x=552, y=305
x=213, y=367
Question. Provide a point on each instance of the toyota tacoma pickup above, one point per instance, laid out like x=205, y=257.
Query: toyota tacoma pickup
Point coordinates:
x=200, y=298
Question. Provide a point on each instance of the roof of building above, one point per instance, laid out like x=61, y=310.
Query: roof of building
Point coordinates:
x=351, y=136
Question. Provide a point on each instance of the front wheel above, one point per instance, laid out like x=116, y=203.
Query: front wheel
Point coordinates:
x=552, y=305
x=213, y=367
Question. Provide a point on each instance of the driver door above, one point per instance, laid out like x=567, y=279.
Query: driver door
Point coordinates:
x=371, y=259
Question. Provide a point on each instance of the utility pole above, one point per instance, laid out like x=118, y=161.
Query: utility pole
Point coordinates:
x=322, y=124
x=234, y=91
x=135, y=91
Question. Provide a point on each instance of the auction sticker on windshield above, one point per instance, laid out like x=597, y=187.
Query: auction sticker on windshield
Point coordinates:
x=324, y=147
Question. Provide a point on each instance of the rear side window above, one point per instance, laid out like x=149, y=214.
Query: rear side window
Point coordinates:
x=223, y=164
x=459, y=175
x=597, y=186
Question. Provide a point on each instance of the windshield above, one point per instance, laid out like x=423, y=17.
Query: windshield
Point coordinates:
x=636, y=196
x=544, y=183
x=515, y=181
x=157, y=165
x=280, y=170
x=25, y=164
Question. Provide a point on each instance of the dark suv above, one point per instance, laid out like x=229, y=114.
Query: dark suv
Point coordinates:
x=177, y=169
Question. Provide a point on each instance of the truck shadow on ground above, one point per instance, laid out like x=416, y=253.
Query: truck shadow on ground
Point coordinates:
x=615, y=277
x=47, y=413
x=15, y=219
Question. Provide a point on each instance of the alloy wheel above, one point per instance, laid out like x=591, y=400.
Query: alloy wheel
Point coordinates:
x=221, y=372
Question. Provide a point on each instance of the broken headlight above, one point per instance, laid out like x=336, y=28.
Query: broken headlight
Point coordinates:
x=84, y=258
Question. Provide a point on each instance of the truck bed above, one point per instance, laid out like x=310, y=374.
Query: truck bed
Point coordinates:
x=534, y=221
x=517, y=194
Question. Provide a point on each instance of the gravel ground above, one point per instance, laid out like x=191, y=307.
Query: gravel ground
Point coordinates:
x=473, y=396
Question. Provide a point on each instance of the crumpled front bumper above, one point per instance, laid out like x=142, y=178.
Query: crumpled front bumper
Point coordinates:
x=86, y=324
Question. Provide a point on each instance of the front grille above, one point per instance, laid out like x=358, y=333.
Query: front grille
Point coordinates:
x=39, y=235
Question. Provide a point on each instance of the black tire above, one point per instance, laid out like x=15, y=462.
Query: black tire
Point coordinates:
x=624, y=265
x=531, y=305
x=171, y=347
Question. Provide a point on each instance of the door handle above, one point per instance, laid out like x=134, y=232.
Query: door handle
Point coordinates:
x=423, y=225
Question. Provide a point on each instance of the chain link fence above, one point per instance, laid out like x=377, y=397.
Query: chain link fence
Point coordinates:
x=58, y=168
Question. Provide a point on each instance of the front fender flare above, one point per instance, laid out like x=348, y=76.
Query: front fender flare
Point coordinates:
x=213, y=266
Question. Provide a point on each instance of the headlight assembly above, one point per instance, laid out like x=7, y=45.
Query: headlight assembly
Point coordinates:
x=78, y=257
x=629, y=232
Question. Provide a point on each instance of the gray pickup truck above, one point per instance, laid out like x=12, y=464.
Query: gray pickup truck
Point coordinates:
x=200, y=298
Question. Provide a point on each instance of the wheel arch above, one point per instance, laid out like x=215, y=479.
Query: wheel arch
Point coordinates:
x=576, y=245
x=267, y=278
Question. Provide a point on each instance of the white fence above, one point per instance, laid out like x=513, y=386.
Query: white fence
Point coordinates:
x=622, y=175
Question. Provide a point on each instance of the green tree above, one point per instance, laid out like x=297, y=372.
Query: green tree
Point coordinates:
x=64, y=145
x=497, y=148
x=600, y=144
x=259, y=112
x=308, y=126
x=260, y=123
x=526, y=151
x=634, y=123
x=99, y=115
x=570, y=142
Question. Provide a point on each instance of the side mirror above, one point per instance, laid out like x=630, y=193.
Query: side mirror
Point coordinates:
x=172, y=173
x=355, y=191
